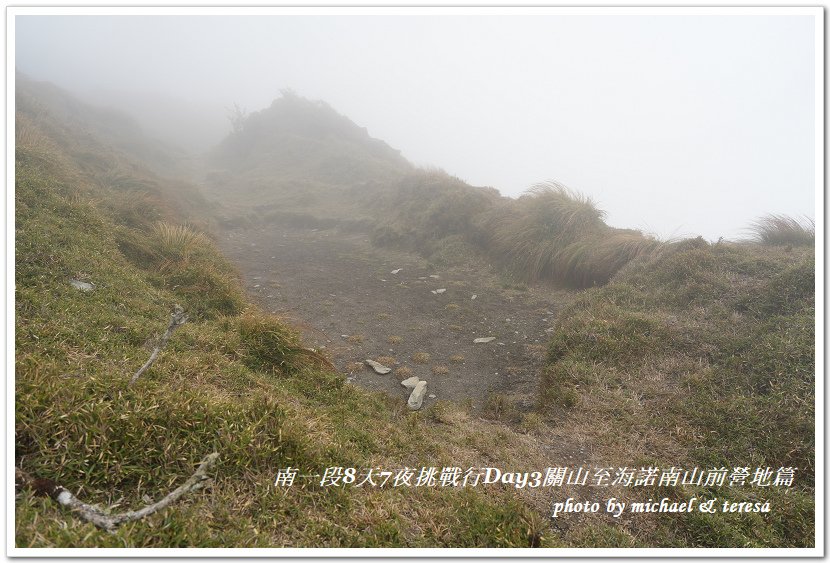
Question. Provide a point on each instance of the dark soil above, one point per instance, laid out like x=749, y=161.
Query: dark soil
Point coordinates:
x=338, y=289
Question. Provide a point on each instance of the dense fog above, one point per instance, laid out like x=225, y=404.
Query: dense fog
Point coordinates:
x=676, y=125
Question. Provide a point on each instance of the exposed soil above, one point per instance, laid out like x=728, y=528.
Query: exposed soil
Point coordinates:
x=339, y=290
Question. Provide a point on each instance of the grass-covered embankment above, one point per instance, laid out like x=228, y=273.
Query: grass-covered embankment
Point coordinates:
x=701, y=355
x=232, y=380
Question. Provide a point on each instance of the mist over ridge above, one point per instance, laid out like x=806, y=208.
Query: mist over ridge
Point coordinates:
x=668, y=134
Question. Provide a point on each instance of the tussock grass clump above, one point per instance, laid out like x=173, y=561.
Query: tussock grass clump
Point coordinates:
x=554, y=233
x=387, y=360
x=421, y=357
x=268, y=344
x=783, y=230
x=178, y=241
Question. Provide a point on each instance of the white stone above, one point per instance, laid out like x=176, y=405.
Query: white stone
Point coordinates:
x=416, y=398
x=379, y=368
x=82, y=285
x=396, y=271
x=410, y=382
x=439, y=291
x=484, y=340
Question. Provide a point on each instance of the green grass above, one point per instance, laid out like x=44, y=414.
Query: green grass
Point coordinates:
x=700, y=355
x=232, y=380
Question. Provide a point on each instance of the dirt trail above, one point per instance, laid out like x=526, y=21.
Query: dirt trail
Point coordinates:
x=340, y=291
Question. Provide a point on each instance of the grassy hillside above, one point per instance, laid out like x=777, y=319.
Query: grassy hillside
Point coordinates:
x=304, y=163
x=683, y=354
x=701, y=355
x=233, y=380
x=107, y=126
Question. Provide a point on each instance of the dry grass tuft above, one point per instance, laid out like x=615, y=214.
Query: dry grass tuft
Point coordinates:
x=457, y=358
x=386, y=360
x=440, y=370
x=178, y=241
x=783, y=230
x=394, y=340
x=421, y=357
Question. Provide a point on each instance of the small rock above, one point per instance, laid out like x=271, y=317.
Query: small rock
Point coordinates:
x=431, y=396
x=410, y=382
x=379, y=368
x=344, y=336
x=396, y=271
x=484, y=340
x=474, y=296
x=439, y=291
x=416, y=398
x=82, y=285
x=434, y=276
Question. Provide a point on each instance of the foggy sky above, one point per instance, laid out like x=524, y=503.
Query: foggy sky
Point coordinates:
x=676, y=125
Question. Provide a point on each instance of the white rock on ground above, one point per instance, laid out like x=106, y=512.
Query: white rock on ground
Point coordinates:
x=396, y=271
x=431, y=396
x=82, y=285
x=410, y=382
x=379, y=368
x=439, y=291
x=416, y=399
x=484, y=340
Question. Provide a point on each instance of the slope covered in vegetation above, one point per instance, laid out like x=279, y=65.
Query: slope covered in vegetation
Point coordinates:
x=232, y=380
x=683, y=354
x=699, y=356
x=302, y=162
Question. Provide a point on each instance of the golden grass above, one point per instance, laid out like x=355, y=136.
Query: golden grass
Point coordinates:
x=421, y=357
x=386, y=360
x=178, y=241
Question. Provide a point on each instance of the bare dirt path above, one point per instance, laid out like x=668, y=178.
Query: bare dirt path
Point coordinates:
x=341, y=291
